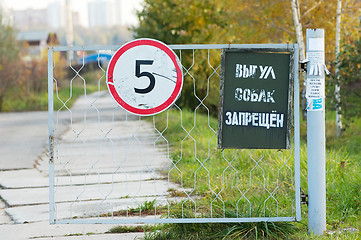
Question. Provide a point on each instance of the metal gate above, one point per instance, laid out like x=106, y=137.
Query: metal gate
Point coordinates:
x=108, y=166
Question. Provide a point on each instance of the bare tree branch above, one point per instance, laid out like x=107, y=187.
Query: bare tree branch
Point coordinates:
x=310, y=9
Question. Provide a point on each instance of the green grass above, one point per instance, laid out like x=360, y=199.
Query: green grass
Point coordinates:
x=234, y=231
x=146, y=208
x=15, y=101
x=221, y=177
x=130, y=229
x=65, y=94
x=195, y=156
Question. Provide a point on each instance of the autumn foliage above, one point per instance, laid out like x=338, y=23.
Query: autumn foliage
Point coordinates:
x=248, y=22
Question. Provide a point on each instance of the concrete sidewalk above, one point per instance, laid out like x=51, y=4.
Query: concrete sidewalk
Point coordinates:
x=86, y=171
x=44, y=231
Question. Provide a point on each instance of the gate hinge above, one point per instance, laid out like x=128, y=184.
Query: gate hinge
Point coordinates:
x=304, y=197
x=303, y=65
x=51, y=149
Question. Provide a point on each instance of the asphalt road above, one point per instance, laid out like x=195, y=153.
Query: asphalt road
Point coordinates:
x=23, y=137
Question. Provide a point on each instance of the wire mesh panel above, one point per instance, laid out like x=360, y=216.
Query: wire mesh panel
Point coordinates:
x=109, y=166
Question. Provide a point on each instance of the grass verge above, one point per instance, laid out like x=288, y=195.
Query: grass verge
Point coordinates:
x=65, y=94
x=192, y=138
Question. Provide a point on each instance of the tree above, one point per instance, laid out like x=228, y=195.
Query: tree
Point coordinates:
x=181, y=22
x=301, y=42
x=247, y=21
x=9, y=58
x=349, y=62
x=298, y=27
x=337, y=86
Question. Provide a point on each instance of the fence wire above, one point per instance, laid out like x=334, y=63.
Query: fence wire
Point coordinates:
x=109, y=166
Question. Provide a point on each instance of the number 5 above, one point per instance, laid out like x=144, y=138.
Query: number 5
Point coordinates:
x=139, y=74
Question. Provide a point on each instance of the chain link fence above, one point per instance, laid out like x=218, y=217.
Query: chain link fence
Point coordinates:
x=109, y=166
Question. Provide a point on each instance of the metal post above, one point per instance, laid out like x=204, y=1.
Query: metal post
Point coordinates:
x=51, y=133
x=316, y=144
x=296, y=105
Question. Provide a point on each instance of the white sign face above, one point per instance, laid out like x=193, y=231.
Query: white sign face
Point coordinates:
x=144, y=77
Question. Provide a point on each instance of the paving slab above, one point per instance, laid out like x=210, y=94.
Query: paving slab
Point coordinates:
x=32, y=178
x=43, y=230
x=37, y=213
x=32, y=196
x=23, y=179
x=123, y=236
x=90, y=158
x=4, y=217
x=110, y=129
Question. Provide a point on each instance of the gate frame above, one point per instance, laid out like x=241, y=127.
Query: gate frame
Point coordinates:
x=292, y=48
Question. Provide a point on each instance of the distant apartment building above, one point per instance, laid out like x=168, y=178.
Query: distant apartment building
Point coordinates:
x=101, y=13
x=53, y=17
x=30, y=19
x=56, y=15
x=6, y=15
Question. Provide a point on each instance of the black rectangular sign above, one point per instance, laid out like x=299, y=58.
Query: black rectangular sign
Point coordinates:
x=255, y=99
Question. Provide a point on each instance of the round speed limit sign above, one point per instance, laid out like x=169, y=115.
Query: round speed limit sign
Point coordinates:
x=144, y=77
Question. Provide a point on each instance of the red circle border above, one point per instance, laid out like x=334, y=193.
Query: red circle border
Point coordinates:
x=171, y=55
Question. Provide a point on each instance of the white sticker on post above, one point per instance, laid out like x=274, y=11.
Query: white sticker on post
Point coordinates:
x=315, y=104
x=316, y=57
x=315, y=88
x=316, y=44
